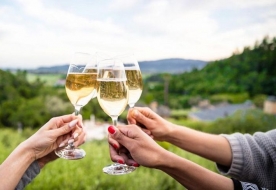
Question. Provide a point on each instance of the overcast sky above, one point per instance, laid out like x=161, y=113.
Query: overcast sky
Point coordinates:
x=37, y=33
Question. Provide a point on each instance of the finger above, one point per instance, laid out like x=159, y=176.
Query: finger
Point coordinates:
x=148, y=132
x=125, y=154
x=66, y=128
x=80, y=139
x=142, y=117
x=114, y=155
x=77, y=131
x=63, y=140
x=113, y=143
x=130, y=118
x=116, y=134
x=67, y=118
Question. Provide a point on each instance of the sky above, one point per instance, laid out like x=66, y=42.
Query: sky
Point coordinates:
x=35, y=33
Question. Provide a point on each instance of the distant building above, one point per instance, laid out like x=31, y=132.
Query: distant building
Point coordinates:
x=270, y=105
x=224, y=110
x=161, y=110
x=60, y=82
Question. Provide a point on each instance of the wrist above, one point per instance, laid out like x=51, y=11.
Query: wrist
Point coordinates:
x=171, y=132
x=41, y=163
x=26, y=152
x=167, y=161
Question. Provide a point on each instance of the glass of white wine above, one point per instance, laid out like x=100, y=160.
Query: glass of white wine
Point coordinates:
x=112, y=95
x=134, y=77
x=81, y=87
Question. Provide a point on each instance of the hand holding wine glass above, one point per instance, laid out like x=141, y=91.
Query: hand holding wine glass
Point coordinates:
x=81, y=86
x=113, y=98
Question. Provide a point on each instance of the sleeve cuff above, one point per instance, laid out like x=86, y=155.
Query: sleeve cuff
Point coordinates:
x=237, y=158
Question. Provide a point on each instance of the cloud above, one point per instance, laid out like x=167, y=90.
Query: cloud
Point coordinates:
x=36, y=33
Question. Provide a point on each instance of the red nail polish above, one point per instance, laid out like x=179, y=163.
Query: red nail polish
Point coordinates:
x=111, y=130
x=135, y=164
x=115, y=146
x=121, y=161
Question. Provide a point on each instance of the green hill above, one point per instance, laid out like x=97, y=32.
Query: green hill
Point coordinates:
x=251, y=72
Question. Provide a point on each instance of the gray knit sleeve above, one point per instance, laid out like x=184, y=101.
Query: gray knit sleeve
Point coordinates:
x=253, y=158
x=28, y=176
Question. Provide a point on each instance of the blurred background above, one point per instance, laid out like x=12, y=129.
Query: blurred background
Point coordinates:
x=207, y=65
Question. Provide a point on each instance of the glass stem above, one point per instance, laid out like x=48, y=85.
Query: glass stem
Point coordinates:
x=77, y=111
x=114, y=120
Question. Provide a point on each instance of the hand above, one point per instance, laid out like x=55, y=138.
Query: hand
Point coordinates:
x=142, y=148
x=151, y=123
x=54, y=133
x=52, y=155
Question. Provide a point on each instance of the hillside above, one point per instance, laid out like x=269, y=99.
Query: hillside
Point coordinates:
x=158, y=66
x=246, y=75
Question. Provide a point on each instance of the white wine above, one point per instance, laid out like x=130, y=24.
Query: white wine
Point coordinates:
x=112, y=96
x=135, y=85
x=81, y=87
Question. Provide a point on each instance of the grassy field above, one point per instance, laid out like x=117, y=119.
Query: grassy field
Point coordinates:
x=86, y=174
x=49, y=79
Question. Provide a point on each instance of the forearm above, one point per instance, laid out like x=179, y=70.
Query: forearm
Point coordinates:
x=212, y=147
x=191, y=175
x=13, y=168
x=32, y=171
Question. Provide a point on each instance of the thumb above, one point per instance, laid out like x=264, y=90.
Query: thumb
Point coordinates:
x=66, y=128
x=117, y=135
x=141, y=119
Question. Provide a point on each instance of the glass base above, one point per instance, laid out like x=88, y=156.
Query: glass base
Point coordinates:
x=118, y=169
x=70, y=153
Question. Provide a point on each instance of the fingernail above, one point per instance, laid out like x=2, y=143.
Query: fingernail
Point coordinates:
x=121, y=162
x=135, y=164
x=73, y=123
x=76, y=135
x=115, y=146
x=70, y=141
x=135, y=113
x=61, y=144
x=111, y=130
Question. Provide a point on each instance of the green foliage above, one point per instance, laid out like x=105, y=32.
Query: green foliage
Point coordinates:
x=243, y=121
x=231, y=98
x=259, y=100
x=243, y=75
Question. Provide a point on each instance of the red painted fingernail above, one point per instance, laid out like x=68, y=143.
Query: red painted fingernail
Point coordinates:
x=111, y=130
x=121, y=161
x=115, y=146
x=135, y=164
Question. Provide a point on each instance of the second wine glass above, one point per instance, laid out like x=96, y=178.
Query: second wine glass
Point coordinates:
x=113, y=98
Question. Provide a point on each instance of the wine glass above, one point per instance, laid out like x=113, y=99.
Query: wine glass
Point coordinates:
x=134, y=77
x=113, y=98
x=81, y=87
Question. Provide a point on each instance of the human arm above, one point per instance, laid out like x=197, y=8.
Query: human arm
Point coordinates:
x=34, y=169
x=44, y=141
x=212, y=147
x=254, y=158
x=147, y=152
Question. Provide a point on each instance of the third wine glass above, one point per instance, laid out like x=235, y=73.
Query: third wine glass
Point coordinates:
x=134, y=78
